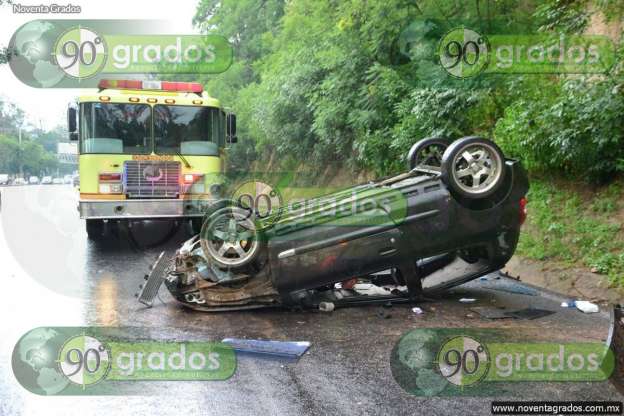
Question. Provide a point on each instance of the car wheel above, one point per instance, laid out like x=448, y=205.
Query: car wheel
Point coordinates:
x=473, y=167
x=229, y=237
x=427, y=153
x=95, y=229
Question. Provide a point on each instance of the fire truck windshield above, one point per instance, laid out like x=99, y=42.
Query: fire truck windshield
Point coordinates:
x=188, y=130
x=115, y=128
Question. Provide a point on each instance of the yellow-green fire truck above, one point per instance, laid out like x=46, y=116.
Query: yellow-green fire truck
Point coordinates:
x=148, y=150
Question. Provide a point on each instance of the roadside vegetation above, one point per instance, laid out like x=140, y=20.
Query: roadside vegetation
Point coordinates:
x=576, y=228
x=356, y=83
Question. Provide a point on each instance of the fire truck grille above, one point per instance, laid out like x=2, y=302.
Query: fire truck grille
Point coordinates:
x=149, y=179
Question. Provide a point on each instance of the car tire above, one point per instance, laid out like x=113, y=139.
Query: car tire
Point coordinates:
x=427, y=153
x=95, y=229
x=229, y=237
x=473, y=167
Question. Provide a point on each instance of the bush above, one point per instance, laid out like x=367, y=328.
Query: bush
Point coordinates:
x=575, y=128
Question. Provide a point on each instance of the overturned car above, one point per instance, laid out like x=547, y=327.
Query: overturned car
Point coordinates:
x=454, y=216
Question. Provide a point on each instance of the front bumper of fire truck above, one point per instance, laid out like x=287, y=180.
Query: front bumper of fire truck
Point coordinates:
x=143, y=208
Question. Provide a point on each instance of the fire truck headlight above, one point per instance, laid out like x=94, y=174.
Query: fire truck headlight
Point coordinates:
x=110, y=188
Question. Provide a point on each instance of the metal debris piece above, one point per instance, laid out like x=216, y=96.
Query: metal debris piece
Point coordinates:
x=284, y=349
x=529, y=313
x=154, y=280
x=510, y=287
x=326, y=306
x=489, y=312
x=467, y=300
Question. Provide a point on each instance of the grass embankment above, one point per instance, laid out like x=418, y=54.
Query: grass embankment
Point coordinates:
x=577, y=225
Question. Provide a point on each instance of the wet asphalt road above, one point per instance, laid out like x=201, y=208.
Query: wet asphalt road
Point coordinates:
x=53, y=276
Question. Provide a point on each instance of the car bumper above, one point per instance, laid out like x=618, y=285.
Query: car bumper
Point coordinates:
x=143, y=208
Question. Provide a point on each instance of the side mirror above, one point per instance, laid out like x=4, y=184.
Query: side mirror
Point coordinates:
x=230, y=128
x=71, y=123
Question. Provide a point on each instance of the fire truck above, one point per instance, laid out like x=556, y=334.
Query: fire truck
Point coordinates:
x=148, y=150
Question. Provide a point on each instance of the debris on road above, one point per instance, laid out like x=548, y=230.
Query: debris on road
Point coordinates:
x=417, y=310
x=581, y=305
x=467, y=300
x=369, y=289
x=384, y=312
x=489, y=312
x=326, y=307
x=284, y=349
x=153, y=280
x=586, y=307
x=510, y=287
x=529, y=313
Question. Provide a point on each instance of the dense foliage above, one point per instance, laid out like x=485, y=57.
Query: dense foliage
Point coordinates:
x=357, y=82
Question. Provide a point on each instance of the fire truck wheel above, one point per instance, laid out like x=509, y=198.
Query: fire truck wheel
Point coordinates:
x=95, y=229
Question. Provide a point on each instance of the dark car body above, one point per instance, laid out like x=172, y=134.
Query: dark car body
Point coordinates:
x=435, y=223
x=417, y=236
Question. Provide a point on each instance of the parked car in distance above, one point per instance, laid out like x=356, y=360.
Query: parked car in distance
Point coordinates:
x=67, y=179
x=20, y=181
x=4, y=179
x=46, y=180
x=57, y=181
x=33, y=180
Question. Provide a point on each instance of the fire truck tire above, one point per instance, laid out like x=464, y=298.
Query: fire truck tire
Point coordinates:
x=95, y=229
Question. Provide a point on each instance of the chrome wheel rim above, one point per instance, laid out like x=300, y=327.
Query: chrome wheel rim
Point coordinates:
x=230, y=237
x=477, y=168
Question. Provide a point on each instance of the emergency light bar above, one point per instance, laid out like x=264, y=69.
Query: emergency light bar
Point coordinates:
x=131, y=84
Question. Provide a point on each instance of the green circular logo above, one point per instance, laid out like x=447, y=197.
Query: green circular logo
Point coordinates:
x=84, y=360
x=464, y=53
x=261, y=200
x=463, y=361
x=80, y=52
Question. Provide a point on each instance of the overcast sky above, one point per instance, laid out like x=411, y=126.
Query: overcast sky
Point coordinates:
x=47, y=106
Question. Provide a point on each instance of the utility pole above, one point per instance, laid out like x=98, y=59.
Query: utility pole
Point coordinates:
x=21, y=162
